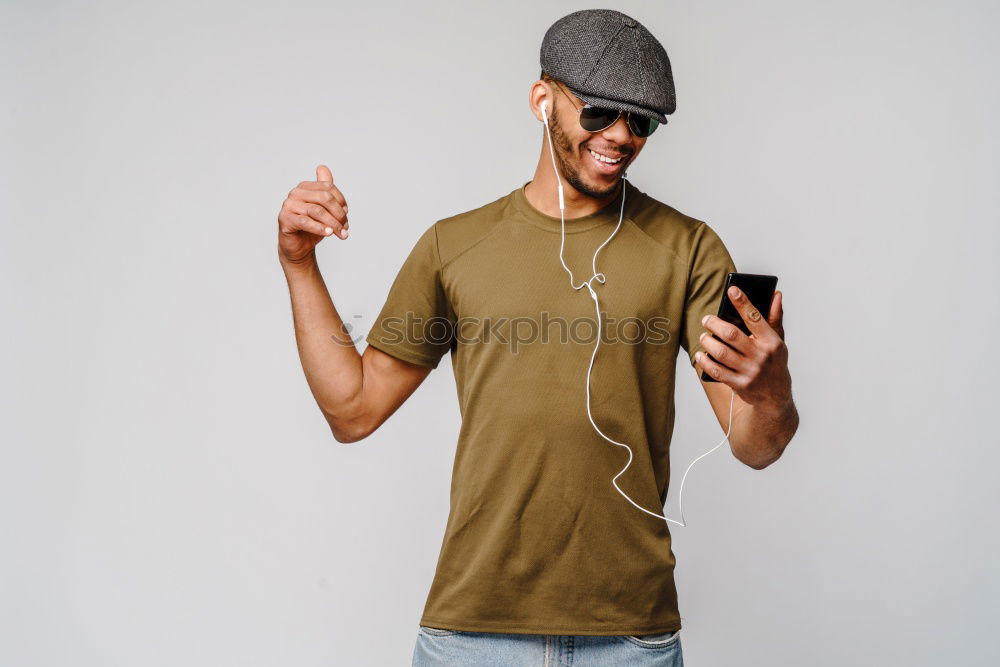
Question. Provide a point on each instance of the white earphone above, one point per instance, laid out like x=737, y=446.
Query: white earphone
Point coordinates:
x=600, y=277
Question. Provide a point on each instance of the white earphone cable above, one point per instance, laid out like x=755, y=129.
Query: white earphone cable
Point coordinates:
x=600, y=277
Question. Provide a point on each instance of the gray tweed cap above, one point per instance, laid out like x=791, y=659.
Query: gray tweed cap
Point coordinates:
x=608, y=59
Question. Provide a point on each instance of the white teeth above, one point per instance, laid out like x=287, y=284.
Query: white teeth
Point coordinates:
x=604, y=158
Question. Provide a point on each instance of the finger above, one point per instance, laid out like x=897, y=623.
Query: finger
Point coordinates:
x=328, y=213
x=320, y=214
x=313, y=186
x=723, y=354
x=774, y=318
x=730, y=334
x=748, y=312
x=717, y=371
x=325, y=199
x=323, y=174
x=779, y=324
x=292, y=222
x=774, y=315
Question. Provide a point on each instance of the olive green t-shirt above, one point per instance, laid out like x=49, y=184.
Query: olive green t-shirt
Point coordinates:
x=538, y=540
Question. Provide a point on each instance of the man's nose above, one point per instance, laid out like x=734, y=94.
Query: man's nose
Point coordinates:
x=618, y=132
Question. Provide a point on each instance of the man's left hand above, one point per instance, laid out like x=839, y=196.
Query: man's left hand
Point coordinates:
x=754, y=366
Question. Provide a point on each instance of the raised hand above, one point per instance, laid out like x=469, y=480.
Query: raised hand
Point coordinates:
x=312, y=211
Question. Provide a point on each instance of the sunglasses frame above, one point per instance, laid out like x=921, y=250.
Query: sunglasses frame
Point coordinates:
x=628, y=116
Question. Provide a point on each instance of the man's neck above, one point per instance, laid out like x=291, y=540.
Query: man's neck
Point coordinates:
x=543, y=193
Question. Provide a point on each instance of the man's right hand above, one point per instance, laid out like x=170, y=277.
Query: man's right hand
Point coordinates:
x=312, y=211
x=356, y=393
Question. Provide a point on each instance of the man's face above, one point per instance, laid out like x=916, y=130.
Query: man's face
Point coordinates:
x=573, y=146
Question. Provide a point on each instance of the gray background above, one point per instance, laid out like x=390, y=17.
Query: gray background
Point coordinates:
x=171, y=494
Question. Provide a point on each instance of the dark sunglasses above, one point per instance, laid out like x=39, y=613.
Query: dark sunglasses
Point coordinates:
x=595, y=119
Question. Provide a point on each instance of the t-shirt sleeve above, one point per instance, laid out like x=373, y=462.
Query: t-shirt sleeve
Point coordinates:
x=417, y=323
x=709, y=264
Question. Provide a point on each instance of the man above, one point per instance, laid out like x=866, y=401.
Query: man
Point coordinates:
x=543, y=560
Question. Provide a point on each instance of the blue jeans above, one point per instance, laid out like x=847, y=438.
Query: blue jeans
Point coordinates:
x=457, y=648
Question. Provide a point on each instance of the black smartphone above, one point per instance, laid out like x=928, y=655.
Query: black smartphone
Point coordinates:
x=758, y=288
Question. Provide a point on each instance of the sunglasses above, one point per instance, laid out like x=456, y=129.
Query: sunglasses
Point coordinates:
x=595, y=119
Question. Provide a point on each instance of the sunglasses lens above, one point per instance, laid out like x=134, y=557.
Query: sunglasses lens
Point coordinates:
x=642, y=126
x=594, y=119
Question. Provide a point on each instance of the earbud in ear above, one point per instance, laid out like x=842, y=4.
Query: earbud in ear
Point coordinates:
x=544, y=117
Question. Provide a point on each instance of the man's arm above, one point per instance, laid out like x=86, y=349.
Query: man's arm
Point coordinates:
x=356, y=393
x=759, y=433
x=756, y=368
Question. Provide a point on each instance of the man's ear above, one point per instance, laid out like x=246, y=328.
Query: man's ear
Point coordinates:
x=543, y=104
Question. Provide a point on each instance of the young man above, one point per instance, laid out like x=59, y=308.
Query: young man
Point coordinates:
x=547, y=558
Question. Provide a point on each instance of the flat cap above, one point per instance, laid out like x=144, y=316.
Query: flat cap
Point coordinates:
x=608, y=59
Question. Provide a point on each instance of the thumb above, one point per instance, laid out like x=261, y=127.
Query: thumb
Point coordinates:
x=777, y=313
x=323, y=174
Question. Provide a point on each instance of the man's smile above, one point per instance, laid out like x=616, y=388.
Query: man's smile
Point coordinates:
x=607, y=163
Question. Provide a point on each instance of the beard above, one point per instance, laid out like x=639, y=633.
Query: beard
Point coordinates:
x=564, y=149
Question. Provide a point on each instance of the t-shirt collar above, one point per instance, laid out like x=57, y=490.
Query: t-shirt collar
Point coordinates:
x=608, y=215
